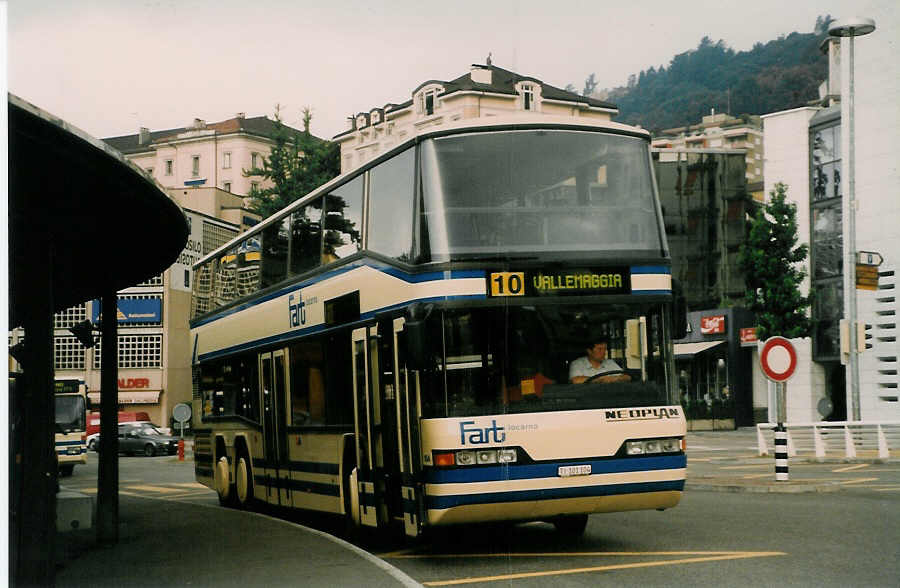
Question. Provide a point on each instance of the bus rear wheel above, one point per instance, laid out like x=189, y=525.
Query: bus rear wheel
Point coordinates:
x=243, y=483
x=224, y=487
x=572, y=525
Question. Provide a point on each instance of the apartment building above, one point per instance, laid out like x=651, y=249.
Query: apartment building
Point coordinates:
x=722, y=131
x=486, y=90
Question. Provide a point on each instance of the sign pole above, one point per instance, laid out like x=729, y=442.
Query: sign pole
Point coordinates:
x=778, y=360
x=781, y=448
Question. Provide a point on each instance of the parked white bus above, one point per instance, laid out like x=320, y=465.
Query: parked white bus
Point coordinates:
x=70, y=414
x=395, y=347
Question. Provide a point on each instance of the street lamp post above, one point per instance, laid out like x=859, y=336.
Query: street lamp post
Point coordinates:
x=852, y=27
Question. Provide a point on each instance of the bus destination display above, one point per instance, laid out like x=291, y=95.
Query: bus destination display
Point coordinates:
x=578, y=282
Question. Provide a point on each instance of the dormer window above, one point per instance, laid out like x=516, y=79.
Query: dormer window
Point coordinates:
x=376, y=117
x=529, y=95
x=361, y=121
x=427, y=100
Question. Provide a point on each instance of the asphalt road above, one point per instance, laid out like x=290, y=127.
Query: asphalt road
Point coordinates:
x=846, y=537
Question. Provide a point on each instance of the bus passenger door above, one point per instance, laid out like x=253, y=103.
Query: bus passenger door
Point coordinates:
x=273, y=376
x=407, y=431
x=367, y=422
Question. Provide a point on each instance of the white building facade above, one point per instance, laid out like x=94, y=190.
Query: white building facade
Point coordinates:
x=808, y=149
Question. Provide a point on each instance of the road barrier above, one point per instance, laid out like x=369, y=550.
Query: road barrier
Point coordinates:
x=844, y=439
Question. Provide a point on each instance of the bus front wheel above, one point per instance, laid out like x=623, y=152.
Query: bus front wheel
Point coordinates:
x=573, y=525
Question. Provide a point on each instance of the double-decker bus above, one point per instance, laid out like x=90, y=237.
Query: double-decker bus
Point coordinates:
x=395, y=347
x=70, y=411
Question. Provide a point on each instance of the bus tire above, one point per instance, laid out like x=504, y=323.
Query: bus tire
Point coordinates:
x=66, y=470
x=223, y=482
x=572, y=525
x=243, y=482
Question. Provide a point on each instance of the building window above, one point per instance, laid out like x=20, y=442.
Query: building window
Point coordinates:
x=226, y=160
x=254, y=187
x=168, y=167
x=68, y=353
x=254, y=161
x=226, y=186
x=69, y=317
x=826, y=241
x=376, y=117
x=427, y=102
x=195, y=166
x=135, y=351
x=527, y=96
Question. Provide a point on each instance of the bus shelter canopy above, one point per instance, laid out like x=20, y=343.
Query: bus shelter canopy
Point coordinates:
x=110, y=225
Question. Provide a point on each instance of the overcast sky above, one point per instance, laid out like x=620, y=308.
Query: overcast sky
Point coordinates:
x=112, y=66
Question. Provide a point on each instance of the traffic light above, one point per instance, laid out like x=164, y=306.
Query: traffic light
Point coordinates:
x=84, y=332
x=863, y=336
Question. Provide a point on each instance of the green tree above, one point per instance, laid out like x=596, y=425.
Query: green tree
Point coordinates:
x=297, y=164
x=771, y=261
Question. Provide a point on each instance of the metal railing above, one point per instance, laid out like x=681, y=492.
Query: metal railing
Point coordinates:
x=844, y=439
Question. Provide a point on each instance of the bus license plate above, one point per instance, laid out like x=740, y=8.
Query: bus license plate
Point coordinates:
x=75, y=451
x=578, y=470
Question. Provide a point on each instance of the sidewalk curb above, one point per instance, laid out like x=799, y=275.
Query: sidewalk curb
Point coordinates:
x=773, y=488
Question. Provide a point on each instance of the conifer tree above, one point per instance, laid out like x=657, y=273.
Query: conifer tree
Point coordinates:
x=297, y=164
x=771, y=262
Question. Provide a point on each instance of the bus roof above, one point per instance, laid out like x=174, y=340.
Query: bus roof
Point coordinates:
x=499, y=123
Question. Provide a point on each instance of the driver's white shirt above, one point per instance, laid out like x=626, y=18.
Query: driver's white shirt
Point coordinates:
x=583, y=367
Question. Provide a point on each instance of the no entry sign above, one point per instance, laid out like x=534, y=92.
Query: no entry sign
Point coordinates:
x=778, y=359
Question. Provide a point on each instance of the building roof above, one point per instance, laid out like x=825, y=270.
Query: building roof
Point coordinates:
x=502, y=82
x=260, y=126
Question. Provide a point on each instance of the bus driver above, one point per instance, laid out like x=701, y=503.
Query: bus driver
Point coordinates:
x=596, y=367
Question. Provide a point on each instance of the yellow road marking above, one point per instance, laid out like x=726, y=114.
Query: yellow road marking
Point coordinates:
x=147, y=488
x=888, y=489
x=858, y=466
x=189, y=485
x=747, y=467
x=690, y=459
x=647, y=564
x=857, y=481
x=404, y=554
x=752, y=476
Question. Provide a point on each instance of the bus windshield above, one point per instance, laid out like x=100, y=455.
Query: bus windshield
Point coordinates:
x=538, y=192
x=514, y=359
x=70, y=414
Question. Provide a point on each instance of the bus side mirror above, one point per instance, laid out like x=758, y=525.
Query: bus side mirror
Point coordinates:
x=679, y=311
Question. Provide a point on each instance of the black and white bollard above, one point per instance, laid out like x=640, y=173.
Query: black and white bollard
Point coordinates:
x=781, y=453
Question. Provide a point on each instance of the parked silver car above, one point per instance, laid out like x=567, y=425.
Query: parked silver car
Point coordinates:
x=147, y=439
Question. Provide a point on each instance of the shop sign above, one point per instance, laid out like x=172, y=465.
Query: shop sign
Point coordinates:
x=748, y=336
x=712, y=325
x=134, y=383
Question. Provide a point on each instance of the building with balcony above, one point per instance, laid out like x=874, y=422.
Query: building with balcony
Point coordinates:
x=487, y=90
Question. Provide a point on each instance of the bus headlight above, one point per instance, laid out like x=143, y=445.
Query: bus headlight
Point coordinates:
x=465, y=458
x=653, y=446
x=479, y=457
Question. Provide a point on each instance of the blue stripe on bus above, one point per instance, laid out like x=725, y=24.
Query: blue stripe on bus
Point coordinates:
x=441, y=502
x=293, y=334
x=551, y=470
x=297, y=485
x=646, y=292
x=650, y=269
x=75, y=442
x=310, y=467
x=66, y=452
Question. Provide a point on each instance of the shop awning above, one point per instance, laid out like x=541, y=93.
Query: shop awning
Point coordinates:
x=141, y=397
x=688, y=350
